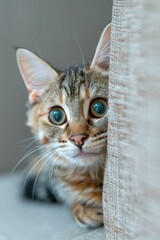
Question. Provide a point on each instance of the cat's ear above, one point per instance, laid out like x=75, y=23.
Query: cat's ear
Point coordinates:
x=102, y=54
x=36, y=73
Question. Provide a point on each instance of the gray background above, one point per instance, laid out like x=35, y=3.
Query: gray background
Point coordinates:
x=53, y=29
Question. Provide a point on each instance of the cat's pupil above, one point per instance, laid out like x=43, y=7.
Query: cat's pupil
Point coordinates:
x=99, y=108
x=57, y=115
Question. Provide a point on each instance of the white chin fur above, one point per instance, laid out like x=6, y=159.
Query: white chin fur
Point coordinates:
x=85, y=159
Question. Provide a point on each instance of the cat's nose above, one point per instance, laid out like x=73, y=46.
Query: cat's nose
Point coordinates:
x=78, y=139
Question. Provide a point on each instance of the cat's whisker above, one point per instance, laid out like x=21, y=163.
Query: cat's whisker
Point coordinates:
x=96, y=145
x=58, y=158
x=33, y=150
x=82, y=55
x=25, y=157
x=35, y=140
x=25, y=181
x=103, y=134
x=49, y=175
x=55, y=165
x=27, y=139
x=99, y=138
x=43, y=165
x=29, y=165
x=74, y=169
x=53, y=170
x=52, y=165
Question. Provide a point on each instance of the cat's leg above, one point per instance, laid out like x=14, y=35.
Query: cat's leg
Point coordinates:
x=87, y=216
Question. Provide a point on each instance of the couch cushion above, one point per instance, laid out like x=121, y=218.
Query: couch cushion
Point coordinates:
x=31, y=220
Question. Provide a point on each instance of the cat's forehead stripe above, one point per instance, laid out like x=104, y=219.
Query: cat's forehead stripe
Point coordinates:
x=84, y=92
x=73, y=79
x=63, y=95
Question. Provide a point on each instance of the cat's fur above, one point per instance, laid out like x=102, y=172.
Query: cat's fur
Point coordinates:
x=76, y=173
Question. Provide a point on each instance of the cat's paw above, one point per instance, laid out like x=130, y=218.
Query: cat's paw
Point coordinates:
x=87, y=216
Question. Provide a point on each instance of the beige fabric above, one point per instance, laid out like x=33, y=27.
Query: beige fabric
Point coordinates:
x=132, y=189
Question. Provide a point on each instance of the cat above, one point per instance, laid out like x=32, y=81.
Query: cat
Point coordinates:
x=68, y=113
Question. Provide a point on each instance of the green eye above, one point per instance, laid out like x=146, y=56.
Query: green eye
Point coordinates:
x=57, y=116
x=98, y=108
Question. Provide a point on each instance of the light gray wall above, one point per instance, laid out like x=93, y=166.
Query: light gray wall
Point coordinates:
x=53, y=29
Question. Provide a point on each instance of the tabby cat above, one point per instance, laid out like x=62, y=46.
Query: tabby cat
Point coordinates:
x=67, y=112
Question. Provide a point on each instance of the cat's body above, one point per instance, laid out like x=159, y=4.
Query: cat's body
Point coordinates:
x=67, y=111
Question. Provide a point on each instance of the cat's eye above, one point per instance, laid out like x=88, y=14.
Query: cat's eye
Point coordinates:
x=57, y=116
x=98, y=108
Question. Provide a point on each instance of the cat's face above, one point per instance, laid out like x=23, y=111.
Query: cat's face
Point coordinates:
x=72, y=115
x=68, y=110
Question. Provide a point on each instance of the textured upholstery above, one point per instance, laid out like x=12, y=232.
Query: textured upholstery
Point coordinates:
x=132, y=189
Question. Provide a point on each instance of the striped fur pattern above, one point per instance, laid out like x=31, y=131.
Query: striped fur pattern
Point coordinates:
x=74, y=175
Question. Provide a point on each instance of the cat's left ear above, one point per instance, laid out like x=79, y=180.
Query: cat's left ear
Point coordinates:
x=102, y=54
x=36, y=73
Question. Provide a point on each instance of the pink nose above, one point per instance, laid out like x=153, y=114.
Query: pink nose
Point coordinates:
x=78, y=139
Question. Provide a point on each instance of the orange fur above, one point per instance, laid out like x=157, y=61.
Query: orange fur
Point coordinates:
x=87, y=215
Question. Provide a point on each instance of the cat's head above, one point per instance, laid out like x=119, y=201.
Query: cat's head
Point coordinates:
x=68, y=110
